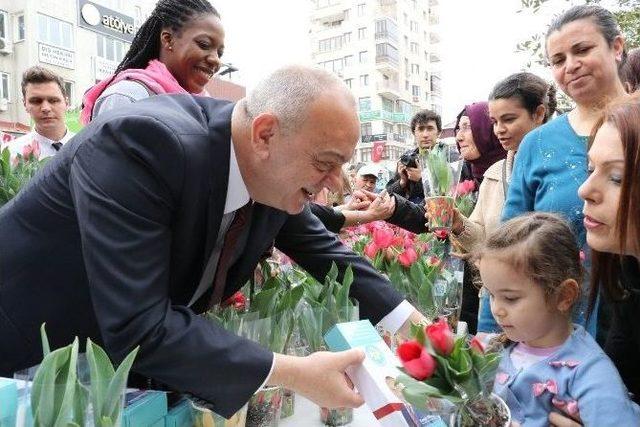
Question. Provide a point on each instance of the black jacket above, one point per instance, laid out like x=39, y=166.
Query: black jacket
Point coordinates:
x=110, y=239
x=623, y=341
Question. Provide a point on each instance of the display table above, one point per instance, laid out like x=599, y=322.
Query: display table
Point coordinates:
x=307, y=414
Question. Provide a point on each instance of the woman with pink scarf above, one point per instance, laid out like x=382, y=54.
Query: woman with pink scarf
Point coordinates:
x=176, y=50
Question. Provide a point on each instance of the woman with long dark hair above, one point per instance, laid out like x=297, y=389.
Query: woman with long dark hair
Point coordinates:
x=176, y=50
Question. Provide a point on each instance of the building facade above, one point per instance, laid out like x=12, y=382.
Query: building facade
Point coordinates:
x=81, y=40
x=386, y=51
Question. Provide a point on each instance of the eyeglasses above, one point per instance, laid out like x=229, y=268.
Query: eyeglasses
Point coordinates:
x=466, y=127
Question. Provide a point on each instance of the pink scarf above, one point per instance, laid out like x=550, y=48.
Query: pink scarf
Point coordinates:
x=156, y=77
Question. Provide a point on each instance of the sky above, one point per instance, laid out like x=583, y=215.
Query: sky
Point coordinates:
x=478, y=40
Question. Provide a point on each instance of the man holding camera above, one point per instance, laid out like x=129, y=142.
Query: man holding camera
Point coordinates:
x=426, y=126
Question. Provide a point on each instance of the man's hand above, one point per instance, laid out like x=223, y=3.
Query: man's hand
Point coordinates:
x=382, y=207
x=319, y=377
x=414, y=174
x=359, y=200
x=402, y=171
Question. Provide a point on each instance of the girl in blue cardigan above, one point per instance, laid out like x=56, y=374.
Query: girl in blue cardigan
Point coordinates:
x=531, y=268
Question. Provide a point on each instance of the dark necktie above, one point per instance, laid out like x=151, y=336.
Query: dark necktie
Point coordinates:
x=56, y=145
x=229, y=248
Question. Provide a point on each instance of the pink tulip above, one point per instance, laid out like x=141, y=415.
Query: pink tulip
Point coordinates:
x=383, y=238
x=371, y=250
x=441, y=337
x=433, y=261
x=416, y=360
x=408, y=257
x=476, y=345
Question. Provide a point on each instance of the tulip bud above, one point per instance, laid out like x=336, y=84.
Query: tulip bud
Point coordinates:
x=371, y=250
x=441, y=337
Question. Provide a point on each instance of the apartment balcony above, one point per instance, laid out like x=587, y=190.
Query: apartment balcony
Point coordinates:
x=389, y=89
x=434, y=38
x=434, y=57
x=387, y=36
x=433, y=3
x=327, y=14
x=434, y=20
x=388, y=8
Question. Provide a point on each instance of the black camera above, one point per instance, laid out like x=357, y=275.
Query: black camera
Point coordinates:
x=410, y=160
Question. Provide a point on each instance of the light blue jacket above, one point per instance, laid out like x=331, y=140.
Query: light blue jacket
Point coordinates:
x=581, y=372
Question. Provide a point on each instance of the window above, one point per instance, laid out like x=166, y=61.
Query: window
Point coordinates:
x=4, y=86
x=364, y=104
x=333, y=43
x=349, y=82
x=346, y=14
x=364, y=80
x=362, y=33
x=363, y=57
x=4, y=24
x=406, y=19
x=20, y=30
x=414, y=47
x=388, y=127
x=68, y=90
x=414, y=27
x=55, y=32
x=406, y=41
x=415, y=69
x=110, y=48
x=415, y=90
x=361, y=9
x=346, y=38
x=348, y=61
x=365, y=129
x=406, y=85
x=387, y=104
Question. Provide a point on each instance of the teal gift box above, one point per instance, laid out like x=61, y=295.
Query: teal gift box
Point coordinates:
x=375, y=377
x=180, y=415
x=8, y=402
x=144, y=409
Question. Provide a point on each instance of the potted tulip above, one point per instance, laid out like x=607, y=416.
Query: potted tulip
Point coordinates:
x=437, y=365
x=441, y=170
x=323, y=307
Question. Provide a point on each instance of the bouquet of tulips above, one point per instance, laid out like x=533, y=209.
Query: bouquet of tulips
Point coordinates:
x=437, y=365
x=16, y=172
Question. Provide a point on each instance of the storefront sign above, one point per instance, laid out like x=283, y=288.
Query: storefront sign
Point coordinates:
x=105, y=21
x=103, y=68
x=55, y=56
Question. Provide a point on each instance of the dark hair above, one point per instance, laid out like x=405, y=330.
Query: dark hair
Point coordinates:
x=530, y=90
x=630, y=71
x=174, y=14
x=39, y=74
x=604, y=20
x=423, y=116
x=539, y=245
x=606, y=267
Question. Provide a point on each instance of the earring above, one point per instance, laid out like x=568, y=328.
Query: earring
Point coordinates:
x=170, y=48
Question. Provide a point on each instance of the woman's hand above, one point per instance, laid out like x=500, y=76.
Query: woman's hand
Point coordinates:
x=570, y=416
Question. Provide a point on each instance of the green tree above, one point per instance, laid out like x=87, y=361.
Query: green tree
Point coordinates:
x=627, y=12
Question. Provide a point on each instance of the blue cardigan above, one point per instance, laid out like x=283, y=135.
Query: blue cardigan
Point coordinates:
x=550, y=165
x=581, y=372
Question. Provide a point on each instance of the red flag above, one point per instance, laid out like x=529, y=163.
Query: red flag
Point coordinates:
x=378, y=150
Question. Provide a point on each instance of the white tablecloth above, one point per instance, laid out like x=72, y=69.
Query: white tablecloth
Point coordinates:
x=307, y=414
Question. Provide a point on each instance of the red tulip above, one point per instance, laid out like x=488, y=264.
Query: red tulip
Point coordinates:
x=416, y=360
x=408, y=257
x=237, y=300
x=441, y=234
x=383, y=238
x=441, y=337
x=371, y=250
x=433, y=261
x=476, y=345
